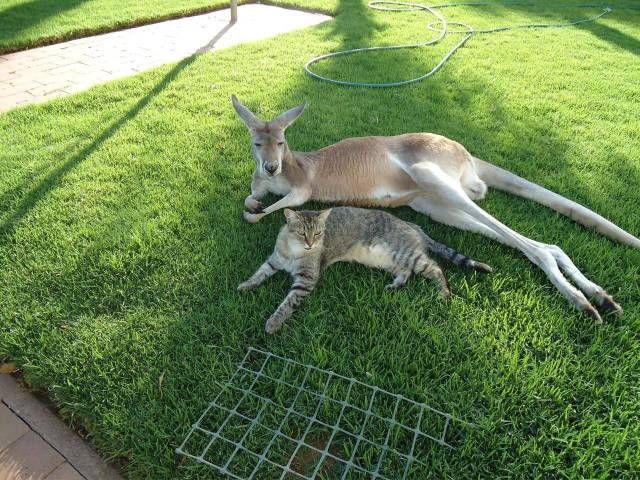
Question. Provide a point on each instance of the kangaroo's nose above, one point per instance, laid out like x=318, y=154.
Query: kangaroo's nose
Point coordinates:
x=271, y=169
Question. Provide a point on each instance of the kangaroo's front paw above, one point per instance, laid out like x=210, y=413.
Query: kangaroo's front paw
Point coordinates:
x=245, y=286
x=259, y=208
x=272, y=326
x=253, y=217
x=253, y=205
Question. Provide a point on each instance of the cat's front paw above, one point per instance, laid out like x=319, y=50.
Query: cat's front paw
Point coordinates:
x=253, y=217
x=272, y=326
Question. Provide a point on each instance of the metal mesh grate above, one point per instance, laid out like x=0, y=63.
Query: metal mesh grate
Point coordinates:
x=276, y=418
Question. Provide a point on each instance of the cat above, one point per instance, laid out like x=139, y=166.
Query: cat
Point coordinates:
x=313, y=240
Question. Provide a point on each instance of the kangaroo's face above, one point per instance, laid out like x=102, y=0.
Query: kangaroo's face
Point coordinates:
x=268, y=148
x=267, y=138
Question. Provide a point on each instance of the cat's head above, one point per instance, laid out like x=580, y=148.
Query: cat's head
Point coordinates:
x=307, y=226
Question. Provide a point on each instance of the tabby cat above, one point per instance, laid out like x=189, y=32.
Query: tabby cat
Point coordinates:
x=312, y=240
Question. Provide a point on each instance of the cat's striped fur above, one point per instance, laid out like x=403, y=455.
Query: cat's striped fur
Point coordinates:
x=313, y=240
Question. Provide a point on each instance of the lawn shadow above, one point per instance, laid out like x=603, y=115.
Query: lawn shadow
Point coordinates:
x=353, y=23
x=600, y=28
x=36, y=193
x=30, y=13
x=613, y=35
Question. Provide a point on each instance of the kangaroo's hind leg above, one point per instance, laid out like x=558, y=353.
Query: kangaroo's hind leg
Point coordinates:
x=447, y=202
x=592, y=290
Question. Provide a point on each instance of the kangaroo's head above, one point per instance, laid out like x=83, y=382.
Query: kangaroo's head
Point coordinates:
x=267, y=138
x=307, y=226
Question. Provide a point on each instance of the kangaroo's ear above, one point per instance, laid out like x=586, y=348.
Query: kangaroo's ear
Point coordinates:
x=288, y=117
x=290, y=215
x=250, y=120
x=324, y=214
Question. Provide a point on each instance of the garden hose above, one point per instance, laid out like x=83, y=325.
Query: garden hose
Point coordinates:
x=441, y=26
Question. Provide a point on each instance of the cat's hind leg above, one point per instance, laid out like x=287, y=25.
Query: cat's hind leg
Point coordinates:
x=429, y=269
x=399, y=280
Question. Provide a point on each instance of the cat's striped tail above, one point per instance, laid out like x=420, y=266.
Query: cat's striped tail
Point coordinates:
x=452, y=255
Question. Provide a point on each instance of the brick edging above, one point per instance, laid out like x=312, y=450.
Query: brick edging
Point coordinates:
x=52, y=430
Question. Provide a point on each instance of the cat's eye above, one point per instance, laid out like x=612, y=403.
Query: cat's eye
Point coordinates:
x=317, y=234
x=258, y=144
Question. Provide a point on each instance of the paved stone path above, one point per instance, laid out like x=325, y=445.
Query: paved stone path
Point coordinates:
x=43, y=73
x=36, y=445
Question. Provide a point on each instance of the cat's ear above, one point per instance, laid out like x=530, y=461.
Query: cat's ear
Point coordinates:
x=324, y=214
x=290, y=215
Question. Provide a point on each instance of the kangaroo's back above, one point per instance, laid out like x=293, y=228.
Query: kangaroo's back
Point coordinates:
x=372, y=171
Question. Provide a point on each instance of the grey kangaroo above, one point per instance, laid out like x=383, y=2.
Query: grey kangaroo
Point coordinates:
x=313, y=240
x=429, y=173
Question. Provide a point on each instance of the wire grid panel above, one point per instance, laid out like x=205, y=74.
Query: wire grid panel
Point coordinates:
x=277, y=418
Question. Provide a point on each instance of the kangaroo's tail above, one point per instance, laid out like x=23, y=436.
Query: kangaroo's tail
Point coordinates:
x=450, y=254
x=504, y=180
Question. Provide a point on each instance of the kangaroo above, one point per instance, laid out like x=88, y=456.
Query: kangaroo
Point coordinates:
x=425, y=171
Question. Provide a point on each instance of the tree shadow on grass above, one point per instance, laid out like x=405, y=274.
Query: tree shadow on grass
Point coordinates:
x=601, y=28
x=614, y=36
x=27, y=14
x=353, y=24
x=53, y=178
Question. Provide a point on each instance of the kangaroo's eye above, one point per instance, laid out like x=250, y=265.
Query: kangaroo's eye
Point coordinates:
x=280, y=144
x=258, y=144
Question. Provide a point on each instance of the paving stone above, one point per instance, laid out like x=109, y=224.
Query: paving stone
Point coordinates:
x=65, y=472
x=28, y=458
x=18, y=86
x=16, y=99
x=11, y=427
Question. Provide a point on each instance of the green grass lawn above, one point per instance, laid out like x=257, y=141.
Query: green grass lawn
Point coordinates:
x=122, y=242
x=31, y=23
